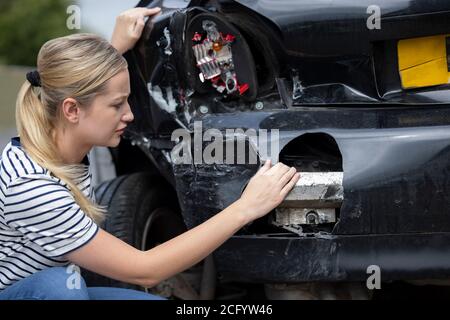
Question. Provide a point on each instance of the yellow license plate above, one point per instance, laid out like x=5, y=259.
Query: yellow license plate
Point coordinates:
x=422, y=62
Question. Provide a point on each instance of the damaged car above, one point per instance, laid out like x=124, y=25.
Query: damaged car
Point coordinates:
x=356, y=96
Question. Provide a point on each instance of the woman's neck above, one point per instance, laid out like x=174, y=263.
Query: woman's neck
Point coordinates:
x=69, y=147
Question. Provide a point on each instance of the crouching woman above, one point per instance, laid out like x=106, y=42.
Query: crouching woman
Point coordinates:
x=75, y=100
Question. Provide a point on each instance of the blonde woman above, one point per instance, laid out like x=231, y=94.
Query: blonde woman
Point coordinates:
x=77, y=99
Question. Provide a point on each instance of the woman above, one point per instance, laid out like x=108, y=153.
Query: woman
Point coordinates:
x=75, y=100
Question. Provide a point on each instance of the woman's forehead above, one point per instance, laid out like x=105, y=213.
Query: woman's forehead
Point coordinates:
x=118, y=86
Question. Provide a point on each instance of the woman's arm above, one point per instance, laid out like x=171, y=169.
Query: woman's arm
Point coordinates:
x=113, y=258
x=129, y=26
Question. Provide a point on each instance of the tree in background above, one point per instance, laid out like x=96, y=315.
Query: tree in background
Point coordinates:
x=25, y=25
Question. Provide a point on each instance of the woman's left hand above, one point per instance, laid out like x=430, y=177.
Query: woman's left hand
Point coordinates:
x=129, y=26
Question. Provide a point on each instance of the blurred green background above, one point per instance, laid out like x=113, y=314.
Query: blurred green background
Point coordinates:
x=25, y=25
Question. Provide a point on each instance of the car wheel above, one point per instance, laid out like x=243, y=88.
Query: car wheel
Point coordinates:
x=141, y=211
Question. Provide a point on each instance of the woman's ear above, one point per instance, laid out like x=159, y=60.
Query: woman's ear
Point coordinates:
x=71, y=110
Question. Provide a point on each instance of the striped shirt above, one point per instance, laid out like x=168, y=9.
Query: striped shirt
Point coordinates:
x=39, y=220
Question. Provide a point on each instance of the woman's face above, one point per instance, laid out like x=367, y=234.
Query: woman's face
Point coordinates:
x=102, y=123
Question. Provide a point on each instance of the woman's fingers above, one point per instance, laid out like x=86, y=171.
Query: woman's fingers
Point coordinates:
x=288, y=187
x=138, y=27
x=133, y=12
x=287, y=177
x=267, y=189
x=264, y=168
x=129, y=27
x=152, y=11
x=139, y=14
x=278, y=170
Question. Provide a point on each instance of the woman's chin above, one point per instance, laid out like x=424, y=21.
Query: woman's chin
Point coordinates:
x=114, y=142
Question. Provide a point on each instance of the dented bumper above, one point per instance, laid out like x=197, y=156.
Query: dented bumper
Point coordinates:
x=394, y=211
x=335, y=258
x=391, y=205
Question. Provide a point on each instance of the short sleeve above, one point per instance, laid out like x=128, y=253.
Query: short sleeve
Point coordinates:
x=45, y=212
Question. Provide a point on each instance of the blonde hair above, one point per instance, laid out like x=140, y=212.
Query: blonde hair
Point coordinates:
x=76, y=66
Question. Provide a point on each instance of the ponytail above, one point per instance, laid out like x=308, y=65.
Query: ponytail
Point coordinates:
x=35, y=127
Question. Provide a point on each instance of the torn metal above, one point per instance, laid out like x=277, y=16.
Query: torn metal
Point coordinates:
x=341, y=87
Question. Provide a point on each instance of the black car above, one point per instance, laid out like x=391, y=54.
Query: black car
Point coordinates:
x=359, y=95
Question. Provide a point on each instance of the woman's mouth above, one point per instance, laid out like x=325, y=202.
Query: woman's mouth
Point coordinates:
x=120, y=131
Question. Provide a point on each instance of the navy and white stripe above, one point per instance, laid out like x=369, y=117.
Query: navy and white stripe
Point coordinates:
x=39, y=220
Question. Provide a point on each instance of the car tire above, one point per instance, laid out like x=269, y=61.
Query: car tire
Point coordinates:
x=132, y=201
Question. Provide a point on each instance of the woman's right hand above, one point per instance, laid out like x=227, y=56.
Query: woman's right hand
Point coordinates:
x=267, y=189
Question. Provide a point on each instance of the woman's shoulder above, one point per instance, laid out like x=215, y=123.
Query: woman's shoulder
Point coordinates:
x=16, y=164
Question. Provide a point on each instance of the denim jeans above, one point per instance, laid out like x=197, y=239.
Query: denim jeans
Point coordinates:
x=51, y=284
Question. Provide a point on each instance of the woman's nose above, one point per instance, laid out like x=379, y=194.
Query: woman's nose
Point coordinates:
x=128, y=116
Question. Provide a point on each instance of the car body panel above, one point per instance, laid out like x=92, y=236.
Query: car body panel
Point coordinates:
x=342, y=81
